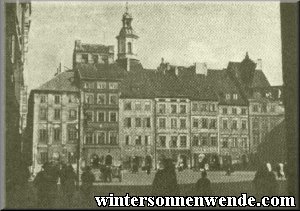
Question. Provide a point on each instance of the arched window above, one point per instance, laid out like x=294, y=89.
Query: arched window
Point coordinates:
x=129, y=47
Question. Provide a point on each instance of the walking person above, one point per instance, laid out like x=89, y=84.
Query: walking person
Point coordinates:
x=69, y=184
x=46, y=184
x=165, y=180
x=265, y=182
x=87, y=179
x=203, y=185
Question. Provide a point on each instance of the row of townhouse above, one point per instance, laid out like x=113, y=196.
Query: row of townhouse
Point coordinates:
x=117, y=112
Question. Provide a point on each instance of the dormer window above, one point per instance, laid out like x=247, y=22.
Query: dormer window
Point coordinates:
x=235, y=96
x=95, y=58
x=227, y=96
x=85, y=58
x=129, y=47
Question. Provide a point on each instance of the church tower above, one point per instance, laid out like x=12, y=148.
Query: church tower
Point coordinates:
x=127, y=40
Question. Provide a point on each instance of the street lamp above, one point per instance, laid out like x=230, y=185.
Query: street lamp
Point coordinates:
x=78, y=152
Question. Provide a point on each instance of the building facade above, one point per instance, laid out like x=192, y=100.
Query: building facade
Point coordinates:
x=126, y=113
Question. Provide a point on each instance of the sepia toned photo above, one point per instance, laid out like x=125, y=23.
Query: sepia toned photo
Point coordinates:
x=150, y=104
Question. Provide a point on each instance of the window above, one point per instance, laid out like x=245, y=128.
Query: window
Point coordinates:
x=182, y=123
x=235, y=96
x=255, y=108
x=138, y=140
x=173, y=109
x=101, y=99
x=89, y=138
x=245, y=142
x=95, y=58
x=72, y=114
x=234, y=124
x=56, y=134
x=173, y=143
x=72, y=135
x=44, y=157
x=255, y=124
x=147, y=106
x=90, y=85
x=56, y=114
x=138, y=106
x=113, y=85
x=101, y=138
x=213, y=124
x=204, y=123
x=101, y=116
x=227, y=96
x=195, y=107
x=113, y=138
x=234, y=142
x=204, y=107
x=72, y=99
x=43, y=113
x=243, y=111
x=138, y=122
x=112, y=116
x=234, y=111
x=84, y=58
x=129, y=47
x=182, y=109
x=162, y=108
x=225, y=110
x=213, y=141
x=85, y=85
x=127, y=140
x=264, y=108
x=162, y=123
x=225, y=124
x=89, y=116
x=43, y=135
x=113, y=99
x=162, y=141
x=173, y=123
x=101, y=85
x=244, y=124
x=147, y=139
x=195, y=123
x=272, y=109
x=183, y=142
x=204, y=140
x=43, y=99
x=256, y=138
x=71, y=157
x=212, y=107
x=56, y=99
x=195, y=141
x=147, y=122
x=127, y=122
x=225, y=143
x=127, y=106
x=89, y=98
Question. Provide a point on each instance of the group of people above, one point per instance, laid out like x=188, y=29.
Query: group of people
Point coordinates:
x=46, y=184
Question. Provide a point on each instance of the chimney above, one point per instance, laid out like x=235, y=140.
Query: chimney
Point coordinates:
x=128, y=65
x=201, y=68
x=162, y=60
x=176, y=71
x=77, y=44
x=258, y=64
x=111, y=49
x=58, y=69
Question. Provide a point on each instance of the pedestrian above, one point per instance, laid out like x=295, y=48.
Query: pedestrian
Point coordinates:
x=62, y=176
x=203, y=185
x=265, y=182
x=165, y=180
x=280, y=172
x=46, y=184
x=69, y=184
x=87, y=179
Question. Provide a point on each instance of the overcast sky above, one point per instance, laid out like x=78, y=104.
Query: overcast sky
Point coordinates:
x=182, y=33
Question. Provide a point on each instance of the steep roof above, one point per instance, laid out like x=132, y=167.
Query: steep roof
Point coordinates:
x=223, y=84
x=100, y=71
x=260, y=80
x=62, y=82
x=92, y=48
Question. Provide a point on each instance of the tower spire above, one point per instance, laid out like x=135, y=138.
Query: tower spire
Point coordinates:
x=126, y=6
